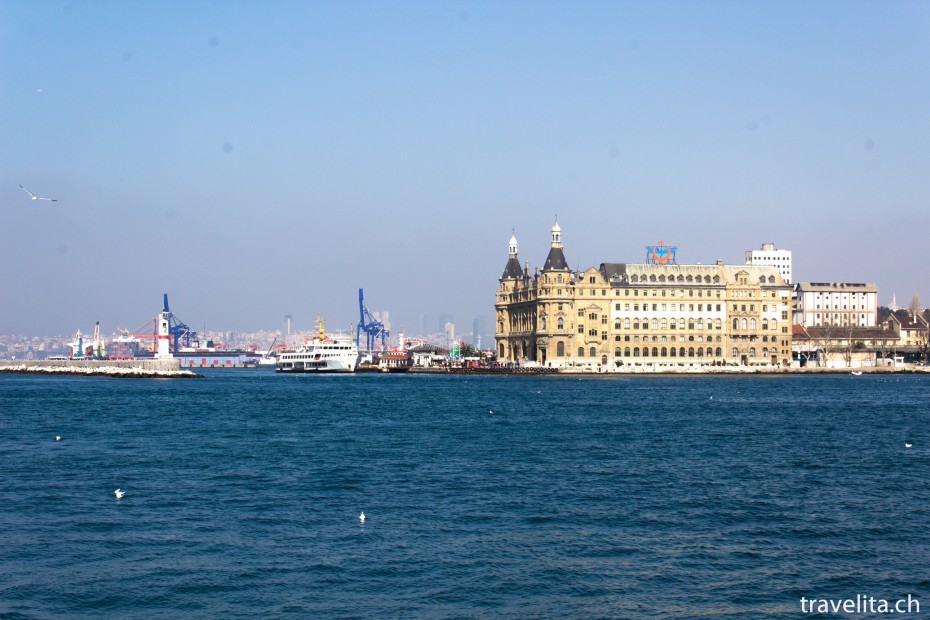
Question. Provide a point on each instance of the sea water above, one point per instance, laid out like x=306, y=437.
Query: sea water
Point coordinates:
x=485, y=496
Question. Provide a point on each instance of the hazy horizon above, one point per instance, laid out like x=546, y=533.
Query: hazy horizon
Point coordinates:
x=260, y=159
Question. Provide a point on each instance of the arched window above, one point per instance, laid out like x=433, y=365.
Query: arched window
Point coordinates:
x=690, y=324
x=752, y=323
x=626, y=323
x=690, y=351
x=645, y=351
x=672, y=352
x=626, y=351
x=681, y=278
x=765, y=352
x=543, y=323
x=664, y=352
x=681, y=352
x=634, y=278
x=664, y=323
x=752, y=351
x=718, y=353
x=560, y=349
x=655, y=324
x=700, y=323
x=673, y=324
x=700, y=351
x=655, y=352
x=501, y=353
x=765, y=323
x=593, y=352
x=661, y=278
x=735, y=323
x=706, y=279
x=617, y=352
x=652, y=278
x=617, y=324
x=744, y=323
x=635, y=323
x=716, y=279
x=762, y=280
x=580, y=351
x=645, y=323
x=636, y=352
x=774, y=325
x=561, y=324
x=735, y=352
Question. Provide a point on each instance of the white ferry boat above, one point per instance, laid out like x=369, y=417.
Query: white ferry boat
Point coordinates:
x=321, y=354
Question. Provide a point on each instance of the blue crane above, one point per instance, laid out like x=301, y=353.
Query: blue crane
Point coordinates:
x=372, y=327
x=178, y=330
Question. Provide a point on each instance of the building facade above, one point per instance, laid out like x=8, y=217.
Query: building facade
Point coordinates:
x=769, y=255
x=641, y=314
x=853, y=304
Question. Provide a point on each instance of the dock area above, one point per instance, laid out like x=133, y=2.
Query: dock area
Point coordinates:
x=139, y=368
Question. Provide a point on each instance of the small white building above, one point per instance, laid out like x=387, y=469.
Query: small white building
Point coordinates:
x=770, y=256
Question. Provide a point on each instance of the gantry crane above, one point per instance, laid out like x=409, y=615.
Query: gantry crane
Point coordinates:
x=372, y=327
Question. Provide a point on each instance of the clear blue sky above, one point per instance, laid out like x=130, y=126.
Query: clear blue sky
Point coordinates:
x=256, y=159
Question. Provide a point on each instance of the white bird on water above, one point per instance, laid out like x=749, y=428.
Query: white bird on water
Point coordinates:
x=361, y=518
x=908, y=445
x=119, y=493
x=34, y=197
x=57, y=437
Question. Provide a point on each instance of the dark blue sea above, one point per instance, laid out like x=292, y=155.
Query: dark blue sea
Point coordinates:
x=485, y=497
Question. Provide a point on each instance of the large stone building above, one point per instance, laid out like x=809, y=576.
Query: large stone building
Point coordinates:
x=655, y=314
x=850, y=304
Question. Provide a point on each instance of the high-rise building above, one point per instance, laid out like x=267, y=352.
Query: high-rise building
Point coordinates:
x=478, y=327
x=769, y=255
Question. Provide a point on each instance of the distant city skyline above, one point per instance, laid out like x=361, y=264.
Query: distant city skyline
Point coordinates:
x=271, y=160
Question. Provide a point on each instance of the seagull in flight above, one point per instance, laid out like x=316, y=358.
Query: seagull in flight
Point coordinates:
x=34, y=197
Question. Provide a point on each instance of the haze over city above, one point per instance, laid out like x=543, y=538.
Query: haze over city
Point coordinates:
x=260, y=159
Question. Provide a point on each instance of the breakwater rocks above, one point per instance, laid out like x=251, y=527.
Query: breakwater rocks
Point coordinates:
x=162, y=368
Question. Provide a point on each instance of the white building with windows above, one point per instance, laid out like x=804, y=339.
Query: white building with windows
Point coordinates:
x=769, y=255
x=848, y=304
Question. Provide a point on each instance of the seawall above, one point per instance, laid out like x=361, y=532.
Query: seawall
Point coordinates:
x=109, y=368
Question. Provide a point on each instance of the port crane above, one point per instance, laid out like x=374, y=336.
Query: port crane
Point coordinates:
x=373, y=328
x=176, y=328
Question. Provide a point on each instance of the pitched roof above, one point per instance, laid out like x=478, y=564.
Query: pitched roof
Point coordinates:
x=513, y=270
x=556, y=260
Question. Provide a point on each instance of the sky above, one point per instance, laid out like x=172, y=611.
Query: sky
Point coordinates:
x=257, y=159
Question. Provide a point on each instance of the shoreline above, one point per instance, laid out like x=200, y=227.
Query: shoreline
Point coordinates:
x=668, y=372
